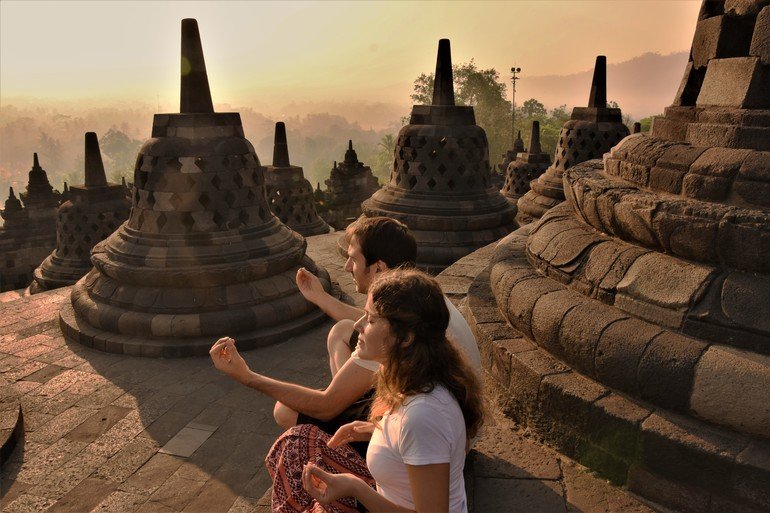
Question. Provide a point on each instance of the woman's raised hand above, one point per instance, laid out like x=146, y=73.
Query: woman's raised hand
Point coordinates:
x=356, y=431
x=323, y=486
x=227, y=359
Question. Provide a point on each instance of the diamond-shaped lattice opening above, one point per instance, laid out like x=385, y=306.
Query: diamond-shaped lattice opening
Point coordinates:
x=413, y=154
x=78, y=228
x=218, y=219
x=175, y=201
x=592, y=135
x=189, y=181
x=87, y=239
x=606, y=135
x=442, y=142
x=433, y=154
x=71, y=238
x=582, y=143
x=461, y=169
x=226, y=162
x=94, y=227
x=569, y=143
x=151, y=199
x=204, y=200
x=471, y=181
x=398, y=179
x=431, y=183
x=140, y=220
x=100, y=217
x=262, y=213
x=441, y=169
x=575, y=154
x=216, y=182
x=161, y=222
x=250, y=195
x=243, y=216
x=238, y=179
x=412, y=181
x=578, y=132
x=451, y=184
x=188, y=221
x=401, y=153
x=230, y=198
x=406, y=166
x=422, y=168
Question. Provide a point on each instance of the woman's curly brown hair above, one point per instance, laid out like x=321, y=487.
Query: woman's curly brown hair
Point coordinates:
x=422, y=356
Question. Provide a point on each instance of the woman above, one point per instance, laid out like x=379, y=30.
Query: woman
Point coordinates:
x=427, y=406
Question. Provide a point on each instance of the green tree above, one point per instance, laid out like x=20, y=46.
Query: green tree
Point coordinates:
x=383, y=162
x=483, y=90
x=533, y=109
x=121, y=151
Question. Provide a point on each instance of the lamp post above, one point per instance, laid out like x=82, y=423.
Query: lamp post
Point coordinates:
x=514, y=78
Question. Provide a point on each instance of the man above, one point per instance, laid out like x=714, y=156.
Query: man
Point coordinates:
x=375, y=245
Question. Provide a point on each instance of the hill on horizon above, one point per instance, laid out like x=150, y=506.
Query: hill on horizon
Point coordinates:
x=642, y=86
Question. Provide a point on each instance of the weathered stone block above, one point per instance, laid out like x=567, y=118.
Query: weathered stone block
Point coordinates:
x=686, y=95
x=760, y=41
x=719, y=37
x=580, y=331
x=666, y=179
x=667, y=370
x=739, y=82
x=619, y=352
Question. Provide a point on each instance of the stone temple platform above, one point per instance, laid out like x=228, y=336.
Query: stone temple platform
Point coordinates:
x=113, y=433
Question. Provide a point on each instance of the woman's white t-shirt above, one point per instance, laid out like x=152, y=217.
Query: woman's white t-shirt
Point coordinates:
x=427, y=429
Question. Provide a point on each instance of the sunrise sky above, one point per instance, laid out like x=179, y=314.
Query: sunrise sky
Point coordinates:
x=265, y=54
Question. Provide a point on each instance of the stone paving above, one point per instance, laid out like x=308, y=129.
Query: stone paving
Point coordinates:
x=111, y=433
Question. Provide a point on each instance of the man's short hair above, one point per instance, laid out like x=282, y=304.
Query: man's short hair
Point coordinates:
x=383, y=238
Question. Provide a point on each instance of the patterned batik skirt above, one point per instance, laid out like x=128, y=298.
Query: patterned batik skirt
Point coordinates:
x=303, y=444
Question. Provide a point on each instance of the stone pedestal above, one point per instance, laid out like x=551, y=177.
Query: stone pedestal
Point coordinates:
x=289, y=194
x=525, y=168
x=201, y=255
x=440, y=185
x=90, y=213
x=590, y=132
x=629, y=326
x=349, y=184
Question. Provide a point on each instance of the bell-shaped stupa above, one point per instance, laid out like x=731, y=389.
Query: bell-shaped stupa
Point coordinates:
x=630, y=326
x=201, y=255
x=289, y=194
x=350, y=183
x=440, y=185
x=498, y=178
x=28, y=233
x=527, y=166
x=88, y=215
x=590, y=132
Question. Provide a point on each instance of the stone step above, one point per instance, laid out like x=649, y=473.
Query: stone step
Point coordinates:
x=11, y=420
x=681, y=461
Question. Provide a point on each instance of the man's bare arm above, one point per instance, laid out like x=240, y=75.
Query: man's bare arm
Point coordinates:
x=310, y=287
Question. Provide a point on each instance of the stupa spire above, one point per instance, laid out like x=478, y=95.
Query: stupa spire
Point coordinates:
x=280, y=146
x=534, y=138
x=598, y=96
x=443, y=87
x=195, y=95
x=35, y=162
x=95, y=176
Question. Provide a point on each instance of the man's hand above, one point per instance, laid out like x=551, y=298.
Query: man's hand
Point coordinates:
x=356, y=431
x=309, y=285
x=227, y=359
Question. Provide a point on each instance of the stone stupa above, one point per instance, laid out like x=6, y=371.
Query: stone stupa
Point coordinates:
x=590, y=132
x=29, y=232
x=630, y=327
x=498, y=178
x=289, y=194
x=201, y=255
x=88, y=215
x=525, y=168
x=440, y=185
x=350, y=183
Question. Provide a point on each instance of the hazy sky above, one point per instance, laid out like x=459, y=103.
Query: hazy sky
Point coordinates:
x=264, y=54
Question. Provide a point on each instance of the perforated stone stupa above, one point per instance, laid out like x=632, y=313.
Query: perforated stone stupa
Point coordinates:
x=289, y=194
x=630, y=326
x=590, y=132
x=350, y=182
x=498, y=178
x=440, y=184
x=525, y=168
x=28, y=233
x=89, y=214
x=201, y=255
